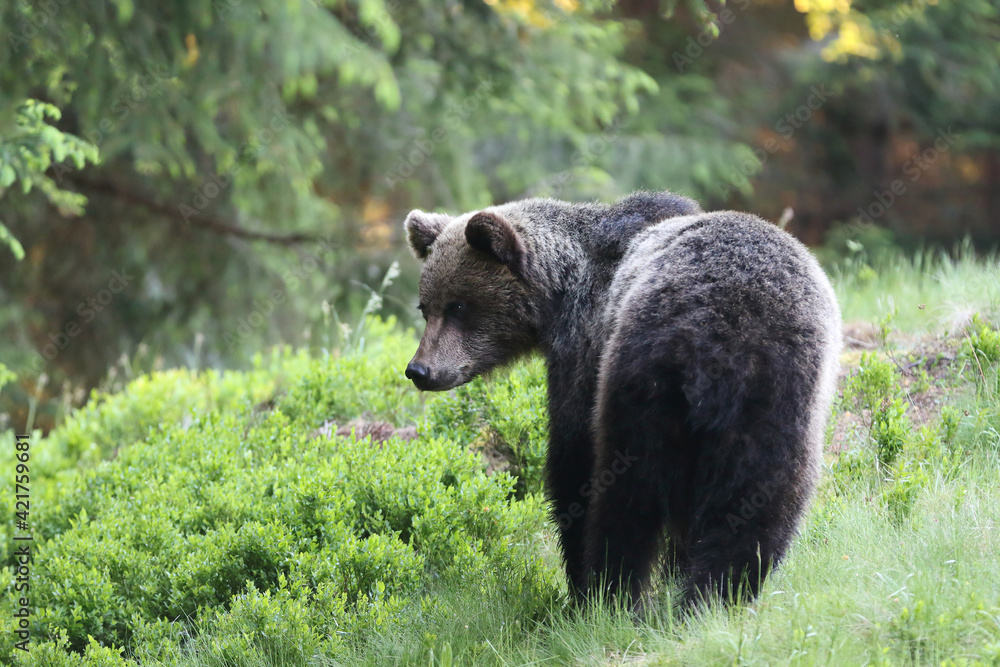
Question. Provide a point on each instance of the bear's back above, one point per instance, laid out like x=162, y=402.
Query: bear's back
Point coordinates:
x=723, y=294
x=728, y=261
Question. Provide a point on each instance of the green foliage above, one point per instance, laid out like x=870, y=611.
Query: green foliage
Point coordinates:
x=507, y=414
x=262, y=628
x=885, y=327
x=263, y=540
x=873, y=388
x=851, y=245
x=907, y=479
x=852, y=470
x=365, y=383
x=111, y=420
x=982, y=344
x=517, y=412
x=951, y=418
x=929, y=291
x=889, y=429
x=980, y=354
x=354, y=339
x=141, y=411
x=924, y=28
x=895, y=460
x=27, y=152
x=458, y=413
x=6, y=375
x=53, y=654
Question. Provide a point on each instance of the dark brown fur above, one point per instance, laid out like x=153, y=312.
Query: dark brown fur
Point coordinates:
x=691, y=358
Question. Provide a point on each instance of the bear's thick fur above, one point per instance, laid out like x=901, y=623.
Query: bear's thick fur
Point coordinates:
x=691, y=363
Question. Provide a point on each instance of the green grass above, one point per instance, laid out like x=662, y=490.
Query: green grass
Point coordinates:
x=219, y=532
x=856, y=590
x=860, y=586
x=933, y=291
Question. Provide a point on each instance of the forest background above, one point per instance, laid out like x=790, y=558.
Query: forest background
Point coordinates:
x=188, y=183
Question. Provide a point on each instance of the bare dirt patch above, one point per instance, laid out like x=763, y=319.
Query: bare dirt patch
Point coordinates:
x=360, y=429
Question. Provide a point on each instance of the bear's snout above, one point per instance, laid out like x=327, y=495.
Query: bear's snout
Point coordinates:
x=426, y=379
x=419, y=373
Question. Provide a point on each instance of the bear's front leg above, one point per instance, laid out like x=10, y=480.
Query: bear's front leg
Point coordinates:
x=570, y=462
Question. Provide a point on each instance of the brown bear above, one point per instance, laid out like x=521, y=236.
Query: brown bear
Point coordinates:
x=691, y=361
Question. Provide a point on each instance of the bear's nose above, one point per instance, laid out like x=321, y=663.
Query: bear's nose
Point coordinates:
x=418, y=373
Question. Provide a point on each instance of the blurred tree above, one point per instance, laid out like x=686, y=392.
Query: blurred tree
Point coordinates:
x=28, y=151
x=277, y=124
x=256, y=156
x=911, y=101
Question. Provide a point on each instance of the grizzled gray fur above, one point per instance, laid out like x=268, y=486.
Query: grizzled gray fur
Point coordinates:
x=691, y=363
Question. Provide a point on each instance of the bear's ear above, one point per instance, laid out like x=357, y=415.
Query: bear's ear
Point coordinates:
x=490, y=233
x=422, y=229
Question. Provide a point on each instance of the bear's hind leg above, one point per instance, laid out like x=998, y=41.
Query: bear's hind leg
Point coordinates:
x=738, y=537
x=729, y=573
x=640, y=447
x=624, y=534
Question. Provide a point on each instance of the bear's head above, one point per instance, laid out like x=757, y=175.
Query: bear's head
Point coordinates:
x=474, y=296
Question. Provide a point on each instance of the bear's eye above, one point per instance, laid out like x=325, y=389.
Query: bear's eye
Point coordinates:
x=456, y=309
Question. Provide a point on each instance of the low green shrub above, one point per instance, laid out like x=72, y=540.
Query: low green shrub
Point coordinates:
x=507, y=413
x=266, y=628
x=109, y=421
x=982, y=343
x=245, y=535
x=875, y=392
x=893, y=463
x=363, y=384
x=903, y=485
